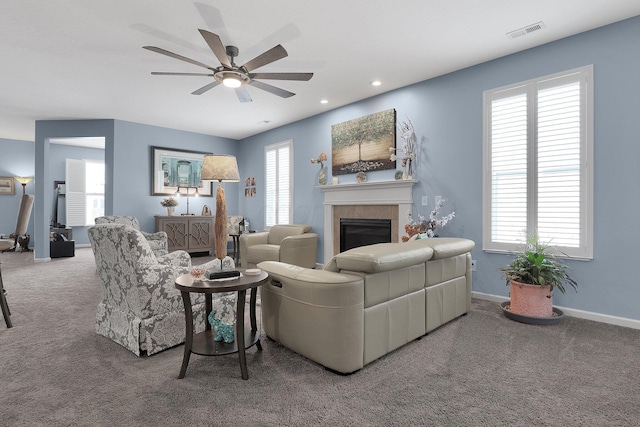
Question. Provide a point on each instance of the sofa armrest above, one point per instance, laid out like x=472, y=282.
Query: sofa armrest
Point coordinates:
x=177, y=258
x=381, y=257
x=317, y=287
x=156, y=291
x=300, y=250
x=250, y=239
x=158, y=242
x=158, y=235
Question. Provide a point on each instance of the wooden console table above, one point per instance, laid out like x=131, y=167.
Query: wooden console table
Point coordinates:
x=190, y=233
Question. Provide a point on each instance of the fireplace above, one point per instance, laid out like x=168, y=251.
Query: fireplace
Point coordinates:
x=388, y=200
x=355, y=232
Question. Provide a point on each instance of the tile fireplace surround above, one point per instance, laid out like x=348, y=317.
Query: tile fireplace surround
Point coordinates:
x=369, y=200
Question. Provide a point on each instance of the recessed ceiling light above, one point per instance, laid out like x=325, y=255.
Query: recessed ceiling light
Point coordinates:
x=264, y=122
x=375, y=83
x=324, y=101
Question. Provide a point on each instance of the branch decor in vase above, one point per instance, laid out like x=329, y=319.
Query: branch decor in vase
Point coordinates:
x=322, y=178
x=408, y=149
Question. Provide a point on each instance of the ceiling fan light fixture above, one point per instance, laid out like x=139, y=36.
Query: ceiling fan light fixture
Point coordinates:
x=231, y=82
x=231, y=78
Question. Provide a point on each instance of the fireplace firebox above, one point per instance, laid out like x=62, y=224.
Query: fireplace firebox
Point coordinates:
x=355, y=232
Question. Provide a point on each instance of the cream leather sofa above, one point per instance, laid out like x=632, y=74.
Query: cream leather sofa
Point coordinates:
x=367, y=301
x=290, y=243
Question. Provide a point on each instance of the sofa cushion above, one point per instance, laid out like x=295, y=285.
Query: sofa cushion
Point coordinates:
x=444, y=247
x=258, y=253
x=382, y=257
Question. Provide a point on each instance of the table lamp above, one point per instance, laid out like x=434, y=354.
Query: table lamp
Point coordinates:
x=195, y=194
x=221, y=168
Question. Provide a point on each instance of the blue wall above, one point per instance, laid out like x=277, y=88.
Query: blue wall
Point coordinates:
x=132, y=171
x=16, y=159
x=447, y=115
x=127, y=158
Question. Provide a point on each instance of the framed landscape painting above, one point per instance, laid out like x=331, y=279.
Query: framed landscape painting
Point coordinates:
x=177, y=168
x=362, y=145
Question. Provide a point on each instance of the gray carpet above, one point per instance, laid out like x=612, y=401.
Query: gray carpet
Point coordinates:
x=479, y=370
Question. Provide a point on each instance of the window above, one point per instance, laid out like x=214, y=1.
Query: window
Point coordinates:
x=279, y=182
x=85, y=191
x=538, y=163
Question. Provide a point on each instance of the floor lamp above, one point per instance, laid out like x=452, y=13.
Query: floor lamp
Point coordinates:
x=221, y=168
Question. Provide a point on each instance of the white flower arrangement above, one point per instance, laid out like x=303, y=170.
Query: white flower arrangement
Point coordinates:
x=169, y=202
x=427, y=226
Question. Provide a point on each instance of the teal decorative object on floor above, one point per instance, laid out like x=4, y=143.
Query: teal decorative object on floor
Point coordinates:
x=224, y=331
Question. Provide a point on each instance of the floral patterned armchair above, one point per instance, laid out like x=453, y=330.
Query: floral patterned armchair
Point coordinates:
x=140, y=307
x=158, y=241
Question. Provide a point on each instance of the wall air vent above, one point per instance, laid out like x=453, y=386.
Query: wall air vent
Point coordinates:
x=526, y=30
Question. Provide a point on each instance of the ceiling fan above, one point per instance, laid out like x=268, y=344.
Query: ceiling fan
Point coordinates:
x=232, y=75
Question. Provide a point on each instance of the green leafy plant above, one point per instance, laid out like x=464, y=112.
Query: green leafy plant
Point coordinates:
x=536, y=265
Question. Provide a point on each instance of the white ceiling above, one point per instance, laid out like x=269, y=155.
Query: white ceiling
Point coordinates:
x=83, y=59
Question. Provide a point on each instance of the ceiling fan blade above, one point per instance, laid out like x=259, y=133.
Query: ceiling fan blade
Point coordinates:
x=163, y=73
x=216, y=46
x=282, y=76
x=176, y=56
x=205, y=88
x=271, y=89
x=243, y=95
x=273, y=54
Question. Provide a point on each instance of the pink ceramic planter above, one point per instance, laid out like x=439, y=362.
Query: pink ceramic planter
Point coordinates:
x=531, y=300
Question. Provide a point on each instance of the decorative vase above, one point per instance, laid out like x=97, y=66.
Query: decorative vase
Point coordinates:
x=322, y=178
x=531, y=300
x=170, y=210
x=408, y=170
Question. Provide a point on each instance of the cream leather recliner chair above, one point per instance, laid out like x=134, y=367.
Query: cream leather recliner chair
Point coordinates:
x=290, y=243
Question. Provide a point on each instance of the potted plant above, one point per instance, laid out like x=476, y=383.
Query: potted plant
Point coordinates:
x=532, y=275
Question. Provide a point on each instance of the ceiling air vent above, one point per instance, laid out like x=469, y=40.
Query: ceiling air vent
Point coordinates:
x=526, y=30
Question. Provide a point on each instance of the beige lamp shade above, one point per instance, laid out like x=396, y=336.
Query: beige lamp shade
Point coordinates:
x=24, y=180
x=220, y=167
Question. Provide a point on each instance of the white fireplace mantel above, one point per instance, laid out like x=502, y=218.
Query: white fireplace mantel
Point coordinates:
x=398, y=193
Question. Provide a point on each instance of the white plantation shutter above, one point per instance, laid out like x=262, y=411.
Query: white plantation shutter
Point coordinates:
x=559, y=164
x=84, y=200
x=538, y=168
x=509, y=168
x=75, y=199
x=284, y=185
x=278, y=178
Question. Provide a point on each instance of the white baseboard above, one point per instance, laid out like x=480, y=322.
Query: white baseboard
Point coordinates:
x=582, y=314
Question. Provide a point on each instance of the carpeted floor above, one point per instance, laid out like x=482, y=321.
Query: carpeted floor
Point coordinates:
x=479, y=370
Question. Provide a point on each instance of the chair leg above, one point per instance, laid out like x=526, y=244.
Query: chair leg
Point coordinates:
x=3, y=302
